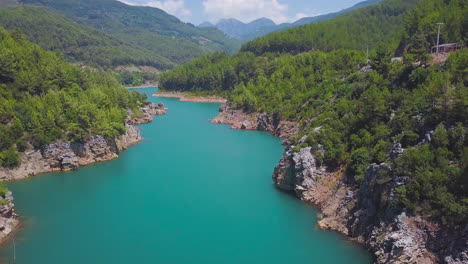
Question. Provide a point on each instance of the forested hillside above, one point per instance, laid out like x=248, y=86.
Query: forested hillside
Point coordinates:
x=145, y=27
x=55, y=32
x=43, y=98
x=357, y=30
x=354, y=111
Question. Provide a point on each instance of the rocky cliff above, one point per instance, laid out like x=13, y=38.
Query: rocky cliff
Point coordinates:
x=368, y=213
x=239, y=119
x=147, y=113
x=9, y=220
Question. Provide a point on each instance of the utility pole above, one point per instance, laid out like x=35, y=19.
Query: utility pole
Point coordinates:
x=367, y=54
x=438, y=36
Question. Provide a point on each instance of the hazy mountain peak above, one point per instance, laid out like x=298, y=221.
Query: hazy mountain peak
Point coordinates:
x=206, y=24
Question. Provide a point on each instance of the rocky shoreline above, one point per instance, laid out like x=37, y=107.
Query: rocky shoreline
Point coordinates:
x=66, y=156
x=147, y=85
x=188, y=98
x=238, y=119
x=367, y=213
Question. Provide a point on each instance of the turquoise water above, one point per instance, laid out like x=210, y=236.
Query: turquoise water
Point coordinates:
x=191, y=192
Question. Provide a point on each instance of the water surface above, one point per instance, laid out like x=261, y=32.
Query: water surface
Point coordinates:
x=191, y=192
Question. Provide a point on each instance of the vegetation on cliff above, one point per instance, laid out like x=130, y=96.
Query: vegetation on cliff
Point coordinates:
x=43, y=98
x=354, y=112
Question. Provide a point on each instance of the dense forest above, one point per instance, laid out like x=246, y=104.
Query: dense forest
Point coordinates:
x=43, y=98
x=353, y=110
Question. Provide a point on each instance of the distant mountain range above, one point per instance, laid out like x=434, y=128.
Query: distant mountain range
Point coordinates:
x=247, y=31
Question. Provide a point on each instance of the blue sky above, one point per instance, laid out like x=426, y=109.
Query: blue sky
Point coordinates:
x=197, y=11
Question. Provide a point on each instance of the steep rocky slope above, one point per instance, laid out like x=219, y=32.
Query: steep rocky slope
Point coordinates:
x=367, y=213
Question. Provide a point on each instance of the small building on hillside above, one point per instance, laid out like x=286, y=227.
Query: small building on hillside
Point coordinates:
x=446, y=48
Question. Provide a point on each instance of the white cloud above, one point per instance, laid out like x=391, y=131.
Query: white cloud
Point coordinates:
x=302, y=15
x=299, y=16
x=246, y=10
x=173, y=7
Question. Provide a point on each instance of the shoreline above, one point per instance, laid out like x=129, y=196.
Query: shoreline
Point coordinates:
x=61, y=156
x=150, y=85
x=183, y=97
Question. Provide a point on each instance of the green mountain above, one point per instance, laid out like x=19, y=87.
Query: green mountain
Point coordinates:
x=79, y=44
x=144, y=27
x=108, y=33
x=43, y=98
x=358, y=29
x=354, y=111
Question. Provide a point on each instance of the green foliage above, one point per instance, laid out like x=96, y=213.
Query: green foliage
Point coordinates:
x=3, y=190
x=358, y=163
x=136, y=78
x=371, y=25
x=43, y=99
x=9, y=158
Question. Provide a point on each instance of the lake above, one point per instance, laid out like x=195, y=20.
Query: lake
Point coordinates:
x=191, y=192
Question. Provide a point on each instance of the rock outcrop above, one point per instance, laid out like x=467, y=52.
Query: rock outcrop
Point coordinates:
x=368, y=213
x=9, y=220
x=66, y=156
x=238, y=119
x=147, y=112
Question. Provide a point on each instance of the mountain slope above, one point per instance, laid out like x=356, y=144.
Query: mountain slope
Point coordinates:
x=368, y=26
x=80, y=44
x=309, y=20
x=246, y=31
x=148, y=36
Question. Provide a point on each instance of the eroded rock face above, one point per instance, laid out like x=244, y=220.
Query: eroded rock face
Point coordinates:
x=65, y=156
x=264, y=123
x=370, y=214
x=8, y=218
x=150, y=110
x=297, y=171
x=239, y=119
x=60, y=156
